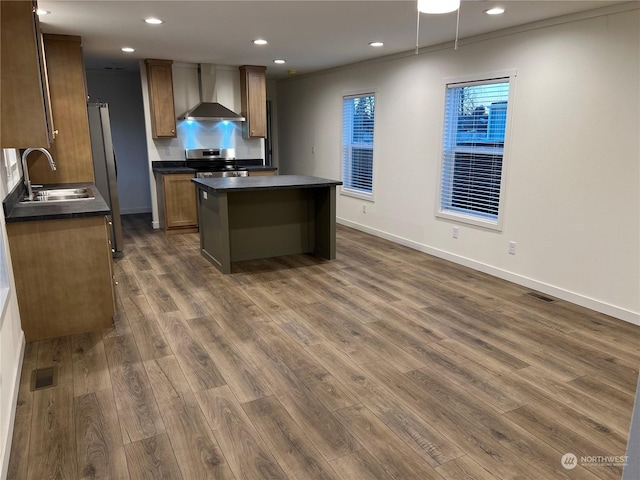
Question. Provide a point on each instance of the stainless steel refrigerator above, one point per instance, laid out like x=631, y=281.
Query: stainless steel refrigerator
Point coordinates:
x=105, y=168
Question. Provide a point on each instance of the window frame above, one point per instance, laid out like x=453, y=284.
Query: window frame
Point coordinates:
x=463, y=216
x=345, y=189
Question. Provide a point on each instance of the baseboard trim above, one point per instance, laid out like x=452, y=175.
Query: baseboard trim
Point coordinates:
x=12, y=418
x=572, y=297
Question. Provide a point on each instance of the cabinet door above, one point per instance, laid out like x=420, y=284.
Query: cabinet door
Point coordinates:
x=72, y=147
x=62, y=276
x=23, y=90
x=261, y=173
x=179, y=200
x=160, y=81
x=254, y=100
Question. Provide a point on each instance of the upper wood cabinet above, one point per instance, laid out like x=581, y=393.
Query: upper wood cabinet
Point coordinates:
x=163, y=113
x=253, y=91
x=25, y=111
x=72, y=147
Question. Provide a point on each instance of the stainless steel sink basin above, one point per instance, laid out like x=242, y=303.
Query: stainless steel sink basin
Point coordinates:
x=61, y=195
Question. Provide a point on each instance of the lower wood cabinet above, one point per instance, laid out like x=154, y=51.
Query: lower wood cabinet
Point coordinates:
x=63, y=275
x=261, y=173
x=177, y=202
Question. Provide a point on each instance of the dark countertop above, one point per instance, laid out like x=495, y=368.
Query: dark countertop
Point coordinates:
x=259, y=167
x=179, y=166
x=231, y=184
x=25, y=212
x=164, y=170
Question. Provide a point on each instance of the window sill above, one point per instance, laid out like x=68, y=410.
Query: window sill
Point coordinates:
x=471, y=220
x=356, y=194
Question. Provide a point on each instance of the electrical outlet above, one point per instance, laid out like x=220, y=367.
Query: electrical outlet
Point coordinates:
x=204, y=195
x=454, y=232
x=512, y=248
x=364, y=208
x=313, y=150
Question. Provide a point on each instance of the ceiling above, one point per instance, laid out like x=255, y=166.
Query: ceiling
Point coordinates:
x=310, y=35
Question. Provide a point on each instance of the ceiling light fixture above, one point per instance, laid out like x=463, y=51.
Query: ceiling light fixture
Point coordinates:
x=495, y=11
x=438, y=6
x=41, y=11
x=153, y=21
x=279, y=61
x=260, y=41
x=128, y=49
x=376, y=44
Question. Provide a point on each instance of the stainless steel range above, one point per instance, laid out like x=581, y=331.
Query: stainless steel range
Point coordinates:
x=214, y=162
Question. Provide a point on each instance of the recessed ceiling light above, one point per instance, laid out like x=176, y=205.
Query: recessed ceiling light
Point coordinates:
x=41, y=11
x=128, y=49
x=153, y=21
x=376, y=44
x=495, y=11
x=260, y=41
x=279, y=61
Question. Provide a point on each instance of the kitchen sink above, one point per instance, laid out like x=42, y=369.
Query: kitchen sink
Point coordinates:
x=60, y=195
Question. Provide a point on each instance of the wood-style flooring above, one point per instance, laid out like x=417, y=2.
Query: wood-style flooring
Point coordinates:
x=385, y=363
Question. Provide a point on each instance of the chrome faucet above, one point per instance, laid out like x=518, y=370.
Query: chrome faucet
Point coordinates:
x=25, y=168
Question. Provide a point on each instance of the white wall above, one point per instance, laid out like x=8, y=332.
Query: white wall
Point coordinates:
x=11, y=335
x=573, y=190
x=122, y=91
x=221, y=83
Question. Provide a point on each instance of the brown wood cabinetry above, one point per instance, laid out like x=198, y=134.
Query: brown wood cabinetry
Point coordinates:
x=24, y=95
x=63, y=275
x=261, y=173
x=160, y=82
x=72, y=147
x=177, y=202
x=253, y=91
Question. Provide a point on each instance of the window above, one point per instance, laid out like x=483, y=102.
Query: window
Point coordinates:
x=358, y=114
x=473, y=151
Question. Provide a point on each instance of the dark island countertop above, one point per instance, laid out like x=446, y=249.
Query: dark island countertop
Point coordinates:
x=236, y=184
x=24, y=212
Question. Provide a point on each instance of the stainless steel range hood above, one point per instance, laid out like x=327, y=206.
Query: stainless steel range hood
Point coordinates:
x=210, y=111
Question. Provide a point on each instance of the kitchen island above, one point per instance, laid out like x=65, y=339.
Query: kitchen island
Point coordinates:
x=245, y=218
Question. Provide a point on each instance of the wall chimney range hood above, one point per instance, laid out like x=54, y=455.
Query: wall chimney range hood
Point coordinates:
x=210, y=111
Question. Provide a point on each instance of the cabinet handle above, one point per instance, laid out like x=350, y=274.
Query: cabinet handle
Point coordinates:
x=173, y=131
x=113, y=250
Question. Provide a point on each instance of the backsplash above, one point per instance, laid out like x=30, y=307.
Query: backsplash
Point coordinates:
x=194, y=134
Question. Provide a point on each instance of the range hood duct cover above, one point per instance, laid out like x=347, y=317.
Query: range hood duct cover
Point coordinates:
x=210, y=111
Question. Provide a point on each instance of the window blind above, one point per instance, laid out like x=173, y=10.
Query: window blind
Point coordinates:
x=358, y=118
x=474, y=134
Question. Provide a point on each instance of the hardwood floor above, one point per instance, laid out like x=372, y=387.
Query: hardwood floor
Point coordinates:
x=385, y=363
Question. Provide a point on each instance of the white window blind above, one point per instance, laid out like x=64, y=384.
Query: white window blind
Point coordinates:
x=473, y=150
x=358, y=116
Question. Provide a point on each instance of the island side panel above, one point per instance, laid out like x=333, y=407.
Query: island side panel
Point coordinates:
x=269, y=223
x=324, y=214
x=213, y=214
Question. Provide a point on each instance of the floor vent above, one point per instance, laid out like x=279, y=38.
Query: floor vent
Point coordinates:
x=44, y=378
x=539, y=296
